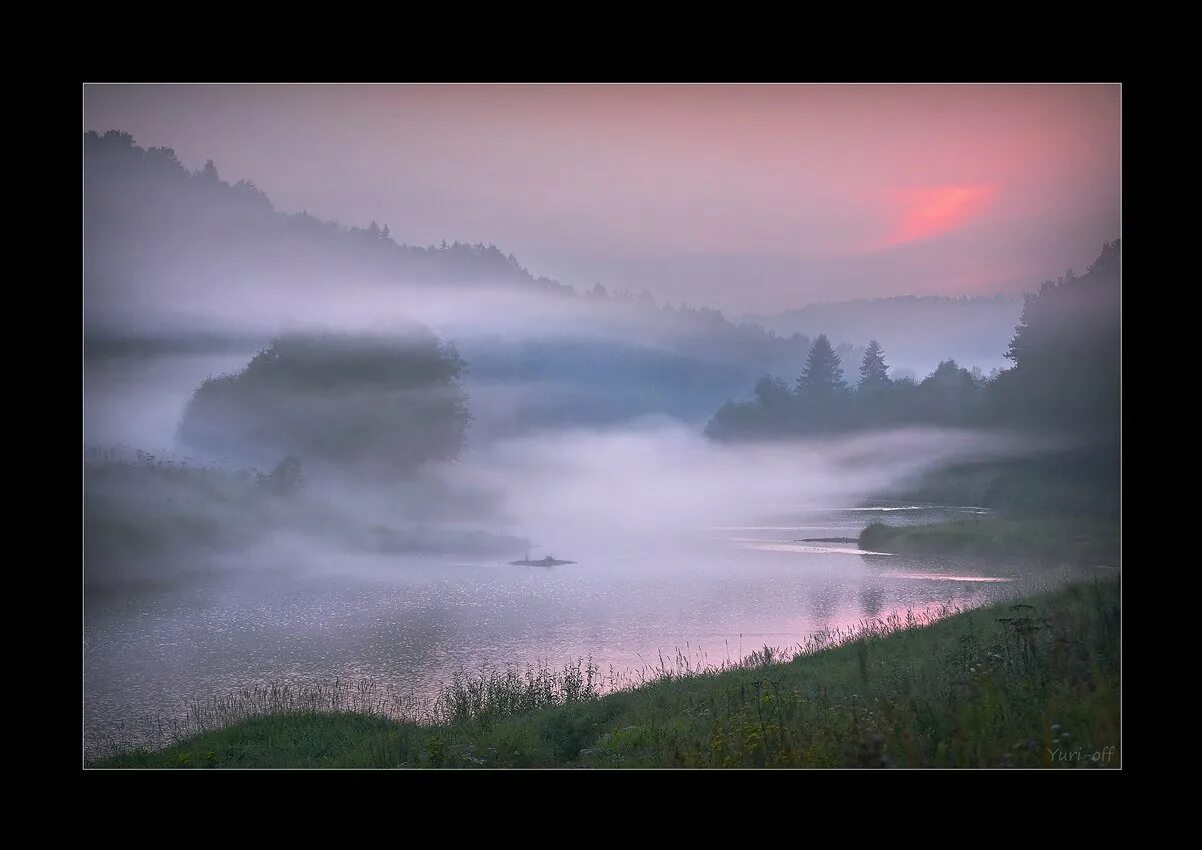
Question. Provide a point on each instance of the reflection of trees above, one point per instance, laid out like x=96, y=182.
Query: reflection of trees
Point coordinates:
x=872, y=600
x=824, y=602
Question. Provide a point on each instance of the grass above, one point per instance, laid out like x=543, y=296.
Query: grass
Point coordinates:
x=1058, y=539
x=1034, y=684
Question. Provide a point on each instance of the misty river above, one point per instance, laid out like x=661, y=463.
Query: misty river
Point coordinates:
x=408, y=624
x=608, y=390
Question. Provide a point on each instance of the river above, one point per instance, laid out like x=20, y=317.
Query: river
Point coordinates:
x=408, y=624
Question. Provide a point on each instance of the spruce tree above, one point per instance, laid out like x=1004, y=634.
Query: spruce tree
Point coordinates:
x=874, y=374
x=823, y=374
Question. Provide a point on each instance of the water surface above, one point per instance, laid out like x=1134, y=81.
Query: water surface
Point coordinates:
x=408, y=624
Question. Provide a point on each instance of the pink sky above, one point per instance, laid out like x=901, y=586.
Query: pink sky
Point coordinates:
x=745, y=197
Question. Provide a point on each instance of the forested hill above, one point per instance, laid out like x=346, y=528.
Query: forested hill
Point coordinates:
x=185, y=262
x=142, y=203
x=156, y=232
x=181, y=261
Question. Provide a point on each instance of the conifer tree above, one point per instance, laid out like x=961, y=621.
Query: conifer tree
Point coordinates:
x=823, y=373
x=874, y=374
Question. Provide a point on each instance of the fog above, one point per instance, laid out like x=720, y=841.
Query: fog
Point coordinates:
x=252, y=377
x=289, y=379
x=136, y=401
x=661, y=478
x=648, y=481
x=314, y=450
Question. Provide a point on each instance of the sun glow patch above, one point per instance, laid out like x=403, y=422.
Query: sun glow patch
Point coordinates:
x=926, y=213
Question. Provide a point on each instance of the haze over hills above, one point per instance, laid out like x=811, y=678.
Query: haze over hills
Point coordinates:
x=182, y=262
x=185, y=263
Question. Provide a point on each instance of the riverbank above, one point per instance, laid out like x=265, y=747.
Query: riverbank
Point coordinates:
x=1059, y=539
x=1034, y=684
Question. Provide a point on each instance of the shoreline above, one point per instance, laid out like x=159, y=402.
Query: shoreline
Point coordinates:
x=1078, y=541
x=854, y=691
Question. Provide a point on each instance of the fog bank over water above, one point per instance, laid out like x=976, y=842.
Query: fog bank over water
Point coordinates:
x=596, y=494
x=660, y=477
x=593, y=494
x=137, y=400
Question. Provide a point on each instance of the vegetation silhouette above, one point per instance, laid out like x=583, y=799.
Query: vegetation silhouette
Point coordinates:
x=1065, y=383
x=1065, y=380
x=373, y=406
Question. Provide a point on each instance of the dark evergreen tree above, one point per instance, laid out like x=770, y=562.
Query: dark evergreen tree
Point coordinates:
x=1067, y=354
x=874, y=374
x=823, y=373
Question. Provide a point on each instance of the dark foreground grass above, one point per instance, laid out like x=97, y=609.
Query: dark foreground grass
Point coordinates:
x=1027, y=685
x=1054, y=539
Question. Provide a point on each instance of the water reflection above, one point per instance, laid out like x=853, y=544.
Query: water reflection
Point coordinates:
x=872, y=600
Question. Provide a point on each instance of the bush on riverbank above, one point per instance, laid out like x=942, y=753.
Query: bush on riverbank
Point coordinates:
x=1027, y=684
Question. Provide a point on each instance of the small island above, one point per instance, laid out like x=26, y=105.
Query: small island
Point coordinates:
x=548, y=561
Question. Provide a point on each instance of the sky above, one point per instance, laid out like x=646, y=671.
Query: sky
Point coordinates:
x=749, y=198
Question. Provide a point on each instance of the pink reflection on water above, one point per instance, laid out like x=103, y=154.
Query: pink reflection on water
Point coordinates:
x=945, y=577
x=785, y=640
x=803, y=548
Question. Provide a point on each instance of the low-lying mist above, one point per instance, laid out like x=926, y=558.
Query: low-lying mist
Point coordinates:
x=532, y=359
x=574, y=493
x=661, y=477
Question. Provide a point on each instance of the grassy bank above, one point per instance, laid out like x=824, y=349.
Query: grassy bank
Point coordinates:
x=1009, y=685
x=1082, y=483
x=1058, y=539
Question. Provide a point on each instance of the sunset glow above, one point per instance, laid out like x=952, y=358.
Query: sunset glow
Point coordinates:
x=926, y=213
x=800, y=192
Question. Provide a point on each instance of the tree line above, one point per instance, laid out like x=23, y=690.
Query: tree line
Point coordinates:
x=1066, y=353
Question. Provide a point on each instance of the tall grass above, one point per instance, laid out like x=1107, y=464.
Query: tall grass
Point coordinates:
x=474, y=695
x=1035, y=683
